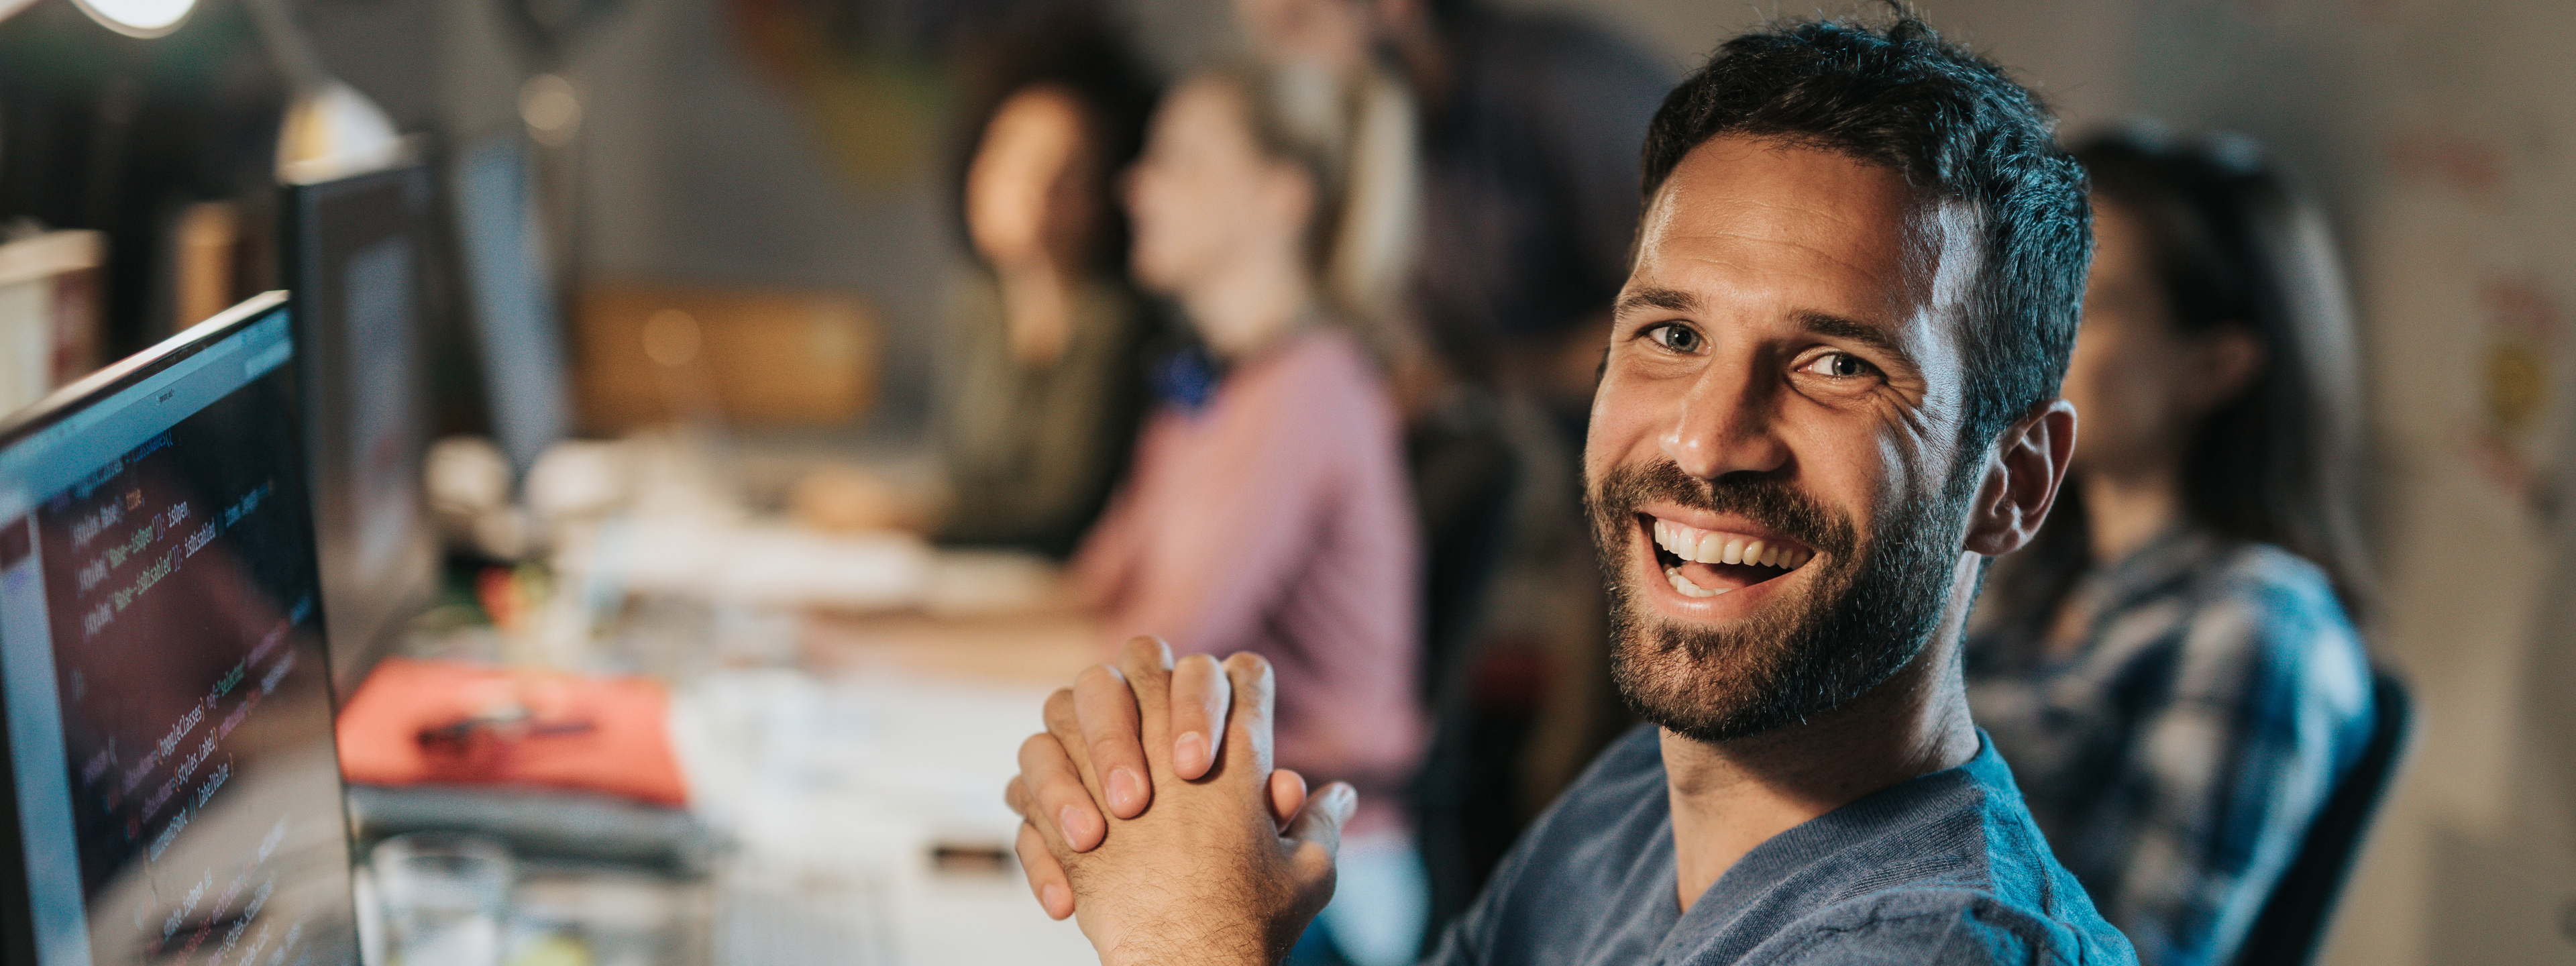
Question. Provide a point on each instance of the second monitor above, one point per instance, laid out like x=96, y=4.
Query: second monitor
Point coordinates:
x=358, y=255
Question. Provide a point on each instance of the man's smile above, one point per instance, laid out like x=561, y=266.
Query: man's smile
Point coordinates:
x=1708, y=558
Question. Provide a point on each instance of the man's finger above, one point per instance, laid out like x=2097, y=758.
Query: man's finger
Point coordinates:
x=1246, y=752
x=1201, y=696
x=1287, y=795
x=1313, y=840
x=1050, y=794
x=1106, y=711
x=1046, y=877
x=1316, y=835
x=1065, y=725
x=1147, y=662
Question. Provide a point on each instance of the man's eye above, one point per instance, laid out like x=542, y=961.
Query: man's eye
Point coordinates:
x=1839, y=365
x=1675, y=336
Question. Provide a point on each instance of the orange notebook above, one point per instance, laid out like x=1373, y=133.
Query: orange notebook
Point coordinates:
x=441, y=722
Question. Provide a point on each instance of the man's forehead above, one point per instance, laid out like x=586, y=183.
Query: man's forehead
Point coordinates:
x=1741, y=214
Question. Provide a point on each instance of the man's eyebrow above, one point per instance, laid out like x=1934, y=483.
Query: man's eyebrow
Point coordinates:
x=1875, y=337
x=1667, y=299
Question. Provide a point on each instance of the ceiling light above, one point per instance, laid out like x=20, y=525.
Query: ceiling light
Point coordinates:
x=138, y=18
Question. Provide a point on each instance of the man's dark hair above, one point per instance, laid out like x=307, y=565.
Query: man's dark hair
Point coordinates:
x=1958, y=129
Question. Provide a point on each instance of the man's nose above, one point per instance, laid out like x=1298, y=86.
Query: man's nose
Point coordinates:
x=1725, y=422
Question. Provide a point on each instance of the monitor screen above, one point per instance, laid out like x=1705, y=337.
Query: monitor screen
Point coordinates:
x=174, y=794
x=357, y=263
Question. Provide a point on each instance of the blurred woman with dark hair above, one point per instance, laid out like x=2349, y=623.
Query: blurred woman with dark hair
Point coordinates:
x=1044, y=387
x=2172, y=670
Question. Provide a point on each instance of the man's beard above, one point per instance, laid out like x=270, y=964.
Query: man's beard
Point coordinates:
x=1868, y=614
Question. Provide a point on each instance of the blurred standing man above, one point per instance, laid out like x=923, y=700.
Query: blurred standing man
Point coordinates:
x=1830, y=397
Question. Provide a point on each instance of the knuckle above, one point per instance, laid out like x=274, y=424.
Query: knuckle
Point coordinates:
x=1147, y=649
x=1060, y=715
x=1251, y=675
x=1035, y=746
x=1197, y=673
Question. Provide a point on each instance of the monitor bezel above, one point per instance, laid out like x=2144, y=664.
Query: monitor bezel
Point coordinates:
x=17, y=920
x=62, y=403
x=298, y=260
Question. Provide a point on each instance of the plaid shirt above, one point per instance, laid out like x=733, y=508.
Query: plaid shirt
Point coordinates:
x=2175, y=759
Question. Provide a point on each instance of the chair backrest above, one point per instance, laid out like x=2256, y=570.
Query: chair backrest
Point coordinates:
x=2289, y=929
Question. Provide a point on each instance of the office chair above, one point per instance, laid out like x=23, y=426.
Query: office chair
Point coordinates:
x=1465, y=475
x=2293, y=921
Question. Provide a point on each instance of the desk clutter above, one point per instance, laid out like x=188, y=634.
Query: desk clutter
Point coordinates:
x=779, y=731
x=826, y=821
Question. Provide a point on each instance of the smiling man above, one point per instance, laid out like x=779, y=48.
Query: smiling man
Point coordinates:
x=1829, y=397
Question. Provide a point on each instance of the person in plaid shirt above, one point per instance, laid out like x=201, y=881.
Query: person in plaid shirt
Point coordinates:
x=2170, y=669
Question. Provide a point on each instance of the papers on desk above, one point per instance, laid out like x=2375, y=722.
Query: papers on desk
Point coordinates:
x=839, y=793
x=775, y=565
x=761, y=565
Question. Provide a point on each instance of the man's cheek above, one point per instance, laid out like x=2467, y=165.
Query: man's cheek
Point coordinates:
x=1620, y=425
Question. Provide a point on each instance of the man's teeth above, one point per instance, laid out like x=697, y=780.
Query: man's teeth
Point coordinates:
x=1687, y=588
x=1703, y=546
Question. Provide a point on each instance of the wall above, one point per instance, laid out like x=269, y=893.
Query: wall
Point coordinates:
x=692, y=165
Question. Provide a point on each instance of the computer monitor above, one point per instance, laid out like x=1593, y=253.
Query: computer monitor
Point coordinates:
x=173, y=794
x=509, y=274
x=357, y=257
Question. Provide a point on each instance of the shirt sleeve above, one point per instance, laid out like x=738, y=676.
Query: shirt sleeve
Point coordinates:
x=2234, y=766
x=1969, y=935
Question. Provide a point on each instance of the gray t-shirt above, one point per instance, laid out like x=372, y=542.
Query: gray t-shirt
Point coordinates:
x=1945, y=868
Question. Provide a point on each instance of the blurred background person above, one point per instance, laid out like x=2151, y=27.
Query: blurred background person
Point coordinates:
x=1518, y=173
x=1376, y=243
x=1046, y=381
x=2172, y=671
x=1267, y=508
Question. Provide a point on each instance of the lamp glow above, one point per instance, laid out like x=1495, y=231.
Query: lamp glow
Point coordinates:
x=138, y=18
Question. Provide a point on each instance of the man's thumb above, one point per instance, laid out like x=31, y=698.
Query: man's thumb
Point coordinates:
x=1314, y=838
x=1320, y=822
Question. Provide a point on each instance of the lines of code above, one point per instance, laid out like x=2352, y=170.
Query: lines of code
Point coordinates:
x=225, y=923
x=189, y=659
x=157, y=547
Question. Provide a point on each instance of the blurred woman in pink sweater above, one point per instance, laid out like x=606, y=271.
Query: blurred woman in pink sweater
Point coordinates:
x=1267, y=508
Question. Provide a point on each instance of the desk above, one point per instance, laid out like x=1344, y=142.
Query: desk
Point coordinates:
x=842, y=787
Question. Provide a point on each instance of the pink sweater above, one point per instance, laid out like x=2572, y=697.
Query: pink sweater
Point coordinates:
x=1278, y=520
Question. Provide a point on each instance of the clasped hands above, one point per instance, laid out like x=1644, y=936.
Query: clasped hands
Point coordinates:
x=1150, y=810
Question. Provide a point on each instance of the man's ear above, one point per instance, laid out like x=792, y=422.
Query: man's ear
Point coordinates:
x=2021, y=480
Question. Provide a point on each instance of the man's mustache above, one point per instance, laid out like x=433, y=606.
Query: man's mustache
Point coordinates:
x=1765, y=500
